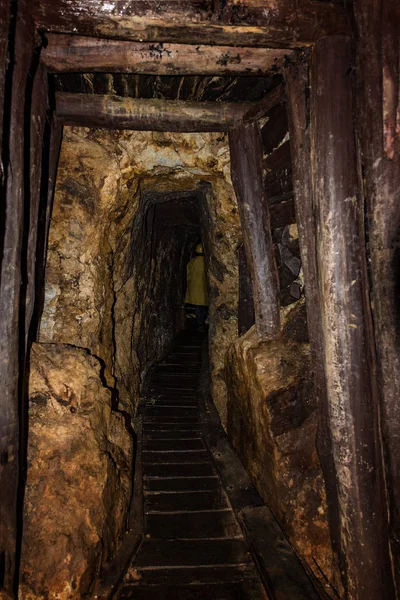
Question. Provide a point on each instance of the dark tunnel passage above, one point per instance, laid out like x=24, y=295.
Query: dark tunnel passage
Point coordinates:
x=164, y=235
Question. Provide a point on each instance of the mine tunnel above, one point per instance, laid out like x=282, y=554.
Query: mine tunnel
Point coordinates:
x=237, y=444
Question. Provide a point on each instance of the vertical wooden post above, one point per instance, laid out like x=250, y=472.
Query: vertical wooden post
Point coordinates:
x=246, y=304
x=346, y=322
x=12, y=237
x=247, y=176
x=39, y=109
x=5, y=10
x=53, y=139
x=378, y=125
x=297, y=82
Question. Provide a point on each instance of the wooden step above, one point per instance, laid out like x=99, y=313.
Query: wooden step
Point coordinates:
x=188, y=553
x=192, y=575
x=154, y=426
x=177, y=444
x=246, y=590
x=185, y=501
x=180, y=470
x=181, y=457
x=172, y=411
x=188, y=484
x=214, y=524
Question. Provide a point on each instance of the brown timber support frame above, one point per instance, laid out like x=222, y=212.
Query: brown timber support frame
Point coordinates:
x=378, y=126
x=347, y=330
x=114, y=112
x=77, y=54
x=12, y=343
x=297, y=82
x=268, y=24
x=247, y=177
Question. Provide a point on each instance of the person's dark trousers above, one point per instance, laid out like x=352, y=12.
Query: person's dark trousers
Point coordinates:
x=201, y=315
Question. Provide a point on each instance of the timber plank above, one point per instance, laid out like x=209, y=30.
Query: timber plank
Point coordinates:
x=79, y=54
x=175, y=553
x=185, y=501
x=166, y=458
x=188, y=484
x=116, y=112
x=165, y=419
x=246, y=590
x=246, y=168
x=180, y=470
x=171, y=411
x=169, y=427
x=265, y=24
x=191, y=575
x=186, y=444
x=177, y=402
x=286, y=577
x=194, y=525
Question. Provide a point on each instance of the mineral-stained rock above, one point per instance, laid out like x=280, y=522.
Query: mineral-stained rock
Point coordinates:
x=99, y=289
x=79, y=474
x=272, y=421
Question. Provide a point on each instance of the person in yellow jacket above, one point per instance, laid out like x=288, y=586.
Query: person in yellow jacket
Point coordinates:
x=196, y=290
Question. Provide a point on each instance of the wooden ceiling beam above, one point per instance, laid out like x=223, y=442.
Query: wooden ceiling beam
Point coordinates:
x=76, y=54
x=114, y=112
x=264, y=23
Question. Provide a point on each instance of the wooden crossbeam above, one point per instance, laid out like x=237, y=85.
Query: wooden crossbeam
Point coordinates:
x=260, y=109
x=268, y=23
x=78, y=54
x=114, y=112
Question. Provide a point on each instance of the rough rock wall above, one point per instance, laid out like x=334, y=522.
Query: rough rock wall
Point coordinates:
x=272, y=421
x=79, y=474
x=90, y=283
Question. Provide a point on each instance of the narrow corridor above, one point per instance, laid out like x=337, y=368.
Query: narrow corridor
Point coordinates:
x=193, y=545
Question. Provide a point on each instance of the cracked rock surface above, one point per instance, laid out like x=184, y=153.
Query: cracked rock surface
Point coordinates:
x=79, y=474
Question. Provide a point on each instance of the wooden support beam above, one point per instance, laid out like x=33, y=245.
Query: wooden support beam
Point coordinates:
x=77, y=54
x=347, y=330
x=11, y=344
x=282, y=24
x=4, y=29
x=51, y=154
x=297, y=85
x=39, y=108
x=246, y=317
x=260, y=109
x=246, y=166
x=114, y=112
x=378, y=124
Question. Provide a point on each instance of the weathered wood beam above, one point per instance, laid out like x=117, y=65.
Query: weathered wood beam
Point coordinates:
x=246, y=316
x=4, y=28
x=51, y=154
x=12, y=230
x=247, y=177
x=282, y=24
x=114, y=112
x=39, y=108
x=347, y=330
x=76, y=54
x=378, y=124
x=275, y=129
x=260, y=109
x=297, y=85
